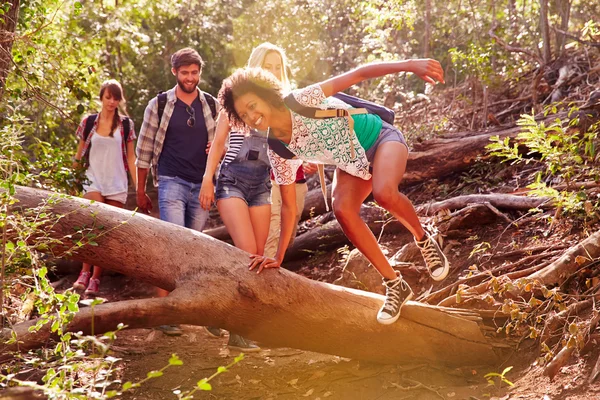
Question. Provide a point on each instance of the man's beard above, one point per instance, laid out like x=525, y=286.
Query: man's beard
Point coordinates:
x=182, y=86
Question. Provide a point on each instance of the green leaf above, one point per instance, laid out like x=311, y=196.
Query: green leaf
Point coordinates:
x=154, y=374
x=80, y=109
x=174, y=360
x=127, y=385
x=10, y=246
x=221, y=370
x=204, y=385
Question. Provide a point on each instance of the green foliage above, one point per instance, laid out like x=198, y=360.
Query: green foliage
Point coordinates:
x=563, y=151
x=490, y=377
x=77, y=366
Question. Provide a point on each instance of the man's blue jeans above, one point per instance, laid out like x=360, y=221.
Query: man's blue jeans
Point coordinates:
x=178, y=203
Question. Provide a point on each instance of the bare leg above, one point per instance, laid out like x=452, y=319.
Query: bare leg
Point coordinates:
x=95, y=196
x=236, y=217
x=349, y=192
x=388, y=169
x=260, y=217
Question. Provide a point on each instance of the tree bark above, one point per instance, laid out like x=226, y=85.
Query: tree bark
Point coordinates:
x=577, y=257
x=545, y=31
x=564, y=11
x=211, y=285
x=8, y=24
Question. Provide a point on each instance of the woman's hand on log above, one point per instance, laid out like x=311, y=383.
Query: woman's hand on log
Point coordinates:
x=263, y=262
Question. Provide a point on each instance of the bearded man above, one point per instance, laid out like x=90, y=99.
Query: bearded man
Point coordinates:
x=173, y=142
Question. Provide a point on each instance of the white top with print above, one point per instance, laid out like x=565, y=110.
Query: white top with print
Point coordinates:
x=325, y=141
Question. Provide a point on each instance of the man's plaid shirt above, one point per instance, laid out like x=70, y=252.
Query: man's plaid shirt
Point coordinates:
x=152, y=136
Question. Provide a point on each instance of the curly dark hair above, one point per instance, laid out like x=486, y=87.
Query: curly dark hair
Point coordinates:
x=249, y=80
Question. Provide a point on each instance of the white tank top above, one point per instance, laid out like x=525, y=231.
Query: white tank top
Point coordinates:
x=106, y=171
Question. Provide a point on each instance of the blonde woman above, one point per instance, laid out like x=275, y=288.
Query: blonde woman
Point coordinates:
x=243, y=189
x=272, y=58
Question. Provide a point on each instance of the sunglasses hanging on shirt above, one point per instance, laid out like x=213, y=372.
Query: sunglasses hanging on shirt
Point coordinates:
x=192, y=119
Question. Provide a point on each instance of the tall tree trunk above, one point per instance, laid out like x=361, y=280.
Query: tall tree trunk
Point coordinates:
x=8, y=24
x=545, y=31
x=211, y=285
x=564, y=10
x=427, y=38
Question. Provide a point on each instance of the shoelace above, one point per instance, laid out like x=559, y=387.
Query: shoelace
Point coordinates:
x=430, y=254
x=393, y=294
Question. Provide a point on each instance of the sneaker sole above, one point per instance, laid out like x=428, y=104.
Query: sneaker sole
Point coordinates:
x=444, y=274
x=392, y=320
x=245, y=350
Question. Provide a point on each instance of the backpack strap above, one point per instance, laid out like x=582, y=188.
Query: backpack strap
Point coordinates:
x=162, y=103
x=321, y=169
x=384, y=113
x=278, y=147
x=126, y=128
x=212, y=103
x=89, y=124
x=317, y=113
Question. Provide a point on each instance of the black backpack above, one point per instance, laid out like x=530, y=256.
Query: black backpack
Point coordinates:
x=162, y=102
x=358, y=104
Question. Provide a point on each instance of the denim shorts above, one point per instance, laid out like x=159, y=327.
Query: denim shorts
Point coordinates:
x=178, y=202
x=388, y=133
x=250, y=183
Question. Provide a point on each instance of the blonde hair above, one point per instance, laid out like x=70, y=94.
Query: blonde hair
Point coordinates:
x=260, y=52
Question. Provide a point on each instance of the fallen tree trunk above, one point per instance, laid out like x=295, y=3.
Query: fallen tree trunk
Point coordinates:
x=211, y=285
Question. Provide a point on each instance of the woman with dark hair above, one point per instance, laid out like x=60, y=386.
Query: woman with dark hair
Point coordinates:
x=106, y=151
x=370, y=156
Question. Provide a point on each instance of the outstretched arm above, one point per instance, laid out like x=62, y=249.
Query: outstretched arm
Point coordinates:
x=427, y=69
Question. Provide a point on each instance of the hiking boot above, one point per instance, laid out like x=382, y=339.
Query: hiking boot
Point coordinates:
x=170, y=330
x=236, y=342
x=213, y=332
x=82, y=282
x=435, y=260
x=92, y=288
x=397, y=292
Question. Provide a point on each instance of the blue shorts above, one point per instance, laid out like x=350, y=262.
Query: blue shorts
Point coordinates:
x=389, y=133
x=250, y=183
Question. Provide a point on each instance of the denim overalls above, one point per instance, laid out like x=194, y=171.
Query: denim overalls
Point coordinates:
x=247, y=176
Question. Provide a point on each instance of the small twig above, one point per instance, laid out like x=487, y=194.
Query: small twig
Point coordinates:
x=510, y=48
x=416, y=385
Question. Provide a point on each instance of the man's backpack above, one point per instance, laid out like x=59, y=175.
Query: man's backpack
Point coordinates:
x=89, y=124
x=162, y=102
